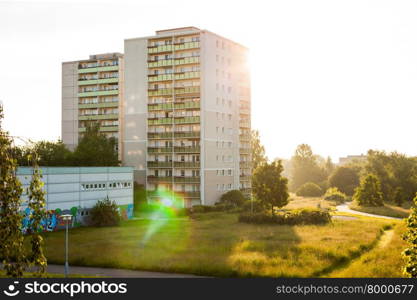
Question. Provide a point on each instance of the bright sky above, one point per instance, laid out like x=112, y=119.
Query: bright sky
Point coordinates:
x=338, y=75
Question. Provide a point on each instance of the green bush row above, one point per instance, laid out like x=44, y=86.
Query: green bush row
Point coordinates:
x=294, y=217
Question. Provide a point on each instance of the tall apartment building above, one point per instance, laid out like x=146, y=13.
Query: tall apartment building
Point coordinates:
x=92, y=91
x=186, y=126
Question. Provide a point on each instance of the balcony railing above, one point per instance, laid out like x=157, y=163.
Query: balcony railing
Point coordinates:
x=178, y=91
x=187, y=164
x=160, y=121
x=185, y=179
x=245, y=150
x=159, y=135
x=99, y=104
x=98, y=117
x=99, y=93
x=102, y=129
x=187, y=134
x=245, y=137
x=98, y=81
x=169, y=77
x=98, y=69
x=159, y=164
x=162, y=106
x=185, y=120
x=174, y=62
x=170, y=48
x=190, y=179
x=245, y=165
x=159, y=149
x=189, y=149
x=244, y=178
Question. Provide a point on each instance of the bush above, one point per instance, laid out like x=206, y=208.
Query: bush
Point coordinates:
x=105, y=213
x=255, y=204
x=309, y=189
x=333, y=194
x=294, y=217
x=207, y=208
x=234, y=198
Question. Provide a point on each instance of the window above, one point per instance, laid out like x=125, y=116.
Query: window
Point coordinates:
x=217, y=129
x=222, y=129
x=217, y=101
x=229, y=172
x=182, y=173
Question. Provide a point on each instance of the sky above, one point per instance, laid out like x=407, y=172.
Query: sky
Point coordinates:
x=338, y=75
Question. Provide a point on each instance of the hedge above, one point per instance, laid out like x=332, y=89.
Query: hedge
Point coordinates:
x=295, y=217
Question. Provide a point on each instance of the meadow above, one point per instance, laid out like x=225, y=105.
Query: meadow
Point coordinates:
x=215, y=244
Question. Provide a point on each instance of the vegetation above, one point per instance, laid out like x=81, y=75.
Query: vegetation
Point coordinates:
x=215, y=244
x=94, y=149
x=345, y=179
x=333, y=194
x=369, y=192
x=105, y=213
x=385, y=210
x=258, y=150
x=253, y=206
x=410, y=237
x=305, y=167
x=269, y=186
x=309, y=189
x=233, y=198
x=294, y=217
x=11, y=236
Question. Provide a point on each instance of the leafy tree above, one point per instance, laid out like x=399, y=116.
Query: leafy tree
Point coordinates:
x=369, y=192
x=36, y=204
x=333, y=194
x=346, y=179
x=305, y=167
x=309, y=189
x=233, y=197
x=11, y=236
x=258, y=150
x=269, y=186
x=95, y=149
x=329, y=166
x=410, y=236
x=48, y=153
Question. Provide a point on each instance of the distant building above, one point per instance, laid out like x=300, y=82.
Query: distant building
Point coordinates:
x=74, y=190
x=351, y=158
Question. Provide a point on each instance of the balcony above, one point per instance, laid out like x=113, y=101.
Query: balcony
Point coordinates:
x=162, y=106
x=245, y=137
x=187, y=164
x=159, y=164
x=162, y=77
x=161, y=92
x=187, y=75
x=98, y=81
x=187, y=90
x=98, y=69
x=189, y=194
x=187, y=105
x=244, y=178
x=159, y=135
x=102, y=129
x=153, y=178
x=99, y=105
x=245, y=150
x=160, y=121
x=99, y=93
x=170, y=48
x=98, y=117
x=186, y=120
x=187, y=149
x=244, y=124
x=160, y=149
x=190, y=179
x=187, y=134
x=245, y=165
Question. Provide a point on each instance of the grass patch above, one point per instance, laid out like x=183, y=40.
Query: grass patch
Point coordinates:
x=297, y=202
x=383, y=261
x=386, y=210
x=215, y=244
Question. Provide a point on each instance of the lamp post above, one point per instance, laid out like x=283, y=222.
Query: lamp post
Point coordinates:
x=67, y=219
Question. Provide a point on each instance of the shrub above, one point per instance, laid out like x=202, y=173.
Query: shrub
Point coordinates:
x=255, y=204
x=105, y=213
x=208, y=208
x=309, y=189
x=333, y=194
x=294, y=217
x=234, y=198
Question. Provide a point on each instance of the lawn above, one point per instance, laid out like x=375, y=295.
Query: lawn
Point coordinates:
x=386, y=210
x=313, y=202
x=215, y=244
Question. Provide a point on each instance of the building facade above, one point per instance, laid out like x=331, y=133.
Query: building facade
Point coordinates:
x=92, y=91
x=187, y=114
x=74, y=190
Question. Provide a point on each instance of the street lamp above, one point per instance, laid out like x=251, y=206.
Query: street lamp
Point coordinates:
x=67, y=219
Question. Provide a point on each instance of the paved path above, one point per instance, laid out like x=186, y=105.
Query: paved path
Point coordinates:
x=345, y=208
x=117, y=273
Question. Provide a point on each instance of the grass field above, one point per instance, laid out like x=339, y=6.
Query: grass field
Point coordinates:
x=386, y=210
x=313, y=202
x=215, y=244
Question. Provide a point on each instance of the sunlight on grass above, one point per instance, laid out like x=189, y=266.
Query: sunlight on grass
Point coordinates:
x=386, y=210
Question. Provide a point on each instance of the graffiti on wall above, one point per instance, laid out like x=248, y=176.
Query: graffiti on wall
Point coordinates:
x=80, y=217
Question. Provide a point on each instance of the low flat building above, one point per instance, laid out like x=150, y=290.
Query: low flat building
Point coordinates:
x=351, y=158
x=75, y=190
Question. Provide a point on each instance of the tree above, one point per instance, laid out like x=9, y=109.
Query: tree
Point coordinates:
x=11, y=236
x=258, y=150
x=305, y=167
x=410, y=236
x=36, y=204
x=346, y=179
x=105, y=213
x=233, y=197
x=95, y=149
x=269, y=186
x=369, y=192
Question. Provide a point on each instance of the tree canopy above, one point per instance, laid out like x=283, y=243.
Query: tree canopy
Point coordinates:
x=258, y=150
x=346, y=179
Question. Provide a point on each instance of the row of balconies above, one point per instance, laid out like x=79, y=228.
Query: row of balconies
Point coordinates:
x=184, y=194
x=175, y=164
x=178, y=91
x=190, y=179
x=178, y=134
x=245, y=150
x=174, y=62
x=185, y=149
x=169, y=106
x=177, y=120
x=98, y=69
x=245, y=136
x=166, y=77
x=174, y=47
